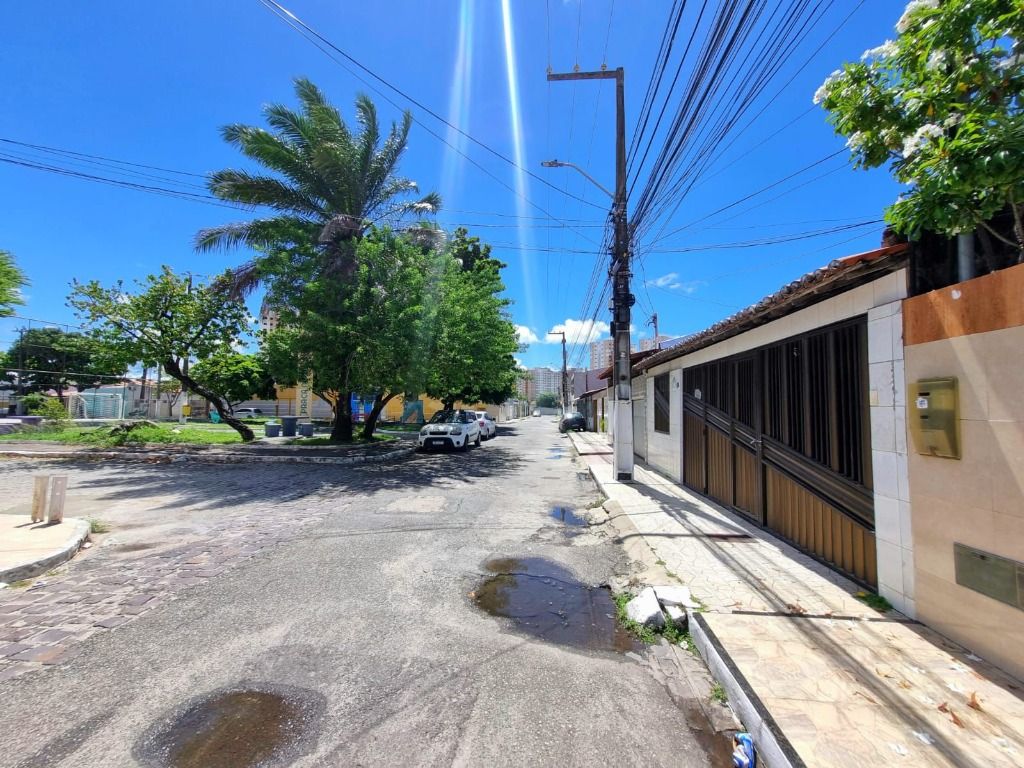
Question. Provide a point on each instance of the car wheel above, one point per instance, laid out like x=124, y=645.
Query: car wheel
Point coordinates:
x=478, y=440
x=465, y=446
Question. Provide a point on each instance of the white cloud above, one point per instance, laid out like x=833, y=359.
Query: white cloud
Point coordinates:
x=526, y=336
x=671, y=282
x=578, y=331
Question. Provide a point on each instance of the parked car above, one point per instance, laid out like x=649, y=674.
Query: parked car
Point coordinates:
x=572, y=421
x=450, y=429
x=248, y=413
x=536, y=412
x=488, y=426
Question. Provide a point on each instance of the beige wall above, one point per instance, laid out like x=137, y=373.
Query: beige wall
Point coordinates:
x=977, y=500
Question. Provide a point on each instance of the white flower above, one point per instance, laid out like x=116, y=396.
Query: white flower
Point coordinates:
x=912, y=105
x=822, y=92
x=919, y=138
x=884, y=51
x=856, y=141
x=937, y=60
x=913, y=7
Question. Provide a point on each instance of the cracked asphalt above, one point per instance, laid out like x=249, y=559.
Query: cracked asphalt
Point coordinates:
x=350, y=583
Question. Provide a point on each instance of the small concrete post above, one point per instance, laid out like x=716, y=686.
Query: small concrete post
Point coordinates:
x=42, y=485
x=57, y=491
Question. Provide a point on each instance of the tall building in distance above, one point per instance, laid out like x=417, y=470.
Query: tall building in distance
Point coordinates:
x=269, y=318
x=601, y=353
x=546, y=380
x=649, y=344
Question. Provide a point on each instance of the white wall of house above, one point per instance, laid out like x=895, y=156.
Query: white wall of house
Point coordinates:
x=665, y=451
x=640, y=402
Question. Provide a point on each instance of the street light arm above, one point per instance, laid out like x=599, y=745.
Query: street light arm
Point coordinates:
x=591, y=179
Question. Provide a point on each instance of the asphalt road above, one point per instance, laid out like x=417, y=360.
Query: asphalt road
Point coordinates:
x=365, y=615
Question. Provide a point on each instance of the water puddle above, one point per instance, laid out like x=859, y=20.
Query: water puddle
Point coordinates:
x=236, y=728
x=716, y=745
x=567, y=515
x=544, y=600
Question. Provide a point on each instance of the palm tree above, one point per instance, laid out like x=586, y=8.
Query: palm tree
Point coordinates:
x=329, y=186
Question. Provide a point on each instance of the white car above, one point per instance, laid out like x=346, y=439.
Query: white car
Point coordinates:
x=488, y=426
x=248, y=413
x=449, y=429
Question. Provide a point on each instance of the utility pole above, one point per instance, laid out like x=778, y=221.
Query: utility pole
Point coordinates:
x=654, y=322
x=622, y=298
x=565, y=371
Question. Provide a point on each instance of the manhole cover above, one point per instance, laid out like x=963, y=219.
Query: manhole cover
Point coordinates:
x=246, y=727
x=544, y=600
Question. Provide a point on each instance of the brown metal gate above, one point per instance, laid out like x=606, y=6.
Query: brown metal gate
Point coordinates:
x=781, y=435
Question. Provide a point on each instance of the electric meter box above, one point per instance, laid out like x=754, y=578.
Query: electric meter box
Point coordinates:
x=935, y=417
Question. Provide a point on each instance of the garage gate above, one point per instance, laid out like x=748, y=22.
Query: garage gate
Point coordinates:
x=782, y=435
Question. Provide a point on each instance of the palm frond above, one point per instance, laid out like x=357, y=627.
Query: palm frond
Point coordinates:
x=260, y=233
x=247, y=188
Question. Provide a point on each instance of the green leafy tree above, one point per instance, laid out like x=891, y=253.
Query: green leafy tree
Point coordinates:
x=12, y=280
x=548, y=400
x=327, y=183
x=235, y=376
x=474, y=340
x=51, y=358
x=360, y=332
x=942, y=103
x=168, y=319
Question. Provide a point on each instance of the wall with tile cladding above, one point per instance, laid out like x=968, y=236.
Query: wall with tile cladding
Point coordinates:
x=977, y=500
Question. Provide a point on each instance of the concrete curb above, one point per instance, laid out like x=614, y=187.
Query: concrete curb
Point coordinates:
x=69, y=549
x=212, y=458
x=773, y=748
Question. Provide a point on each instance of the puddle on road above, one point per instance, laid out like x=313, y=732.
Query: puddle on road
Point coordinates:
x=717, y=745
x=544, y=600
x=237, y=728
x=567, y=515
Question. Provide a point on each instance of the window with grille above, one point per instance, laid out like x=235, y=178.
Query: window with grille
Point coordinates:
x=661, y=403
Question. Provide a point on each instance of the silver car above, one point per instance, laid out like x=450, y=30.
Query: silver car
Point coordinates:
x=488, y=426
x=450, y=429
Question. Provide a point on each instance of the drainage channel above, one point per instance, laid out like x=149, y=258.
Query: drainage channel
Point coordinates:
x=544, y=600
x=245, y=727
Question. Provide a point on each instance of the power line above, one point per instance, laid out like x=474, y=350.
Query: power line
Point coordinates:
x=279, y=9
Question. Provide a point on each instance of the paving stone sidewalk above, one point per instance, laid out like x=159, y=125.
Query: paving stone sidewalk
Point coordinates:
x=43, y=624
x=845, y=685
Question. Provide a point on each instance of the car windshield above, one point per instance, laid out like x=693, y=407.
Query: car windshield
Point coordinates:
x=446, y=417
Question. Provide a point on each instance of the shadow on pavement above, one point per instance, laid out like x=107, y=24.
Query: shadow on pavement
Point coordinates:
x=203, y=485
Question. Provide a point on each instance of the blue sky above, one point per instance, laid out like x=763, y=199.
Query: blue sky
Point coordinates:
x=153, y=82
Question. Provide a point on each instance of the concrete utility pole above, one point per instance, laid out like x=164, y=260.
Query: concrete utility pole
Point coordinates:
x=622, y=298
x=654, y=322
x=565, y=371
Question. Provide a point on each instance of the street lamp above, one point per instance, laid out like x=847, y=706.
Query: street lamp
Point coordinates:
x=591, y=179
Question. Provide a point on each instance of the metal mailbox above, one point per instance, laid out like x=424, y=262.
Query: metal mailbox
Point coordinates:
x=935, y=417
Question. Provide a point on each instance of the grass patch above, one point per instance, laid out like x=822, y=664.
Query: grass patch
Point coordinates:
x=718, y=694
x=400, y=427
x=97, y=526
x=672, y=632
x=875, y=601
x=112, y=437
x=21, y=584
x=597, y=503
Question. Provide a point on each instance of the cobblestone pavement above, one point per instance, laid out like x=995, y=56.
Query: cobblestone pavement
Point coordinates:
x=122, y=578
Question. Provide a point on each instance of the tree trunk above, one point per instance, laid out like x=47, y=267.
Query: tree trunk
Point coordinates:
x=1018, y=230
x=449, y=403
x=379, y=402
x=341, y=432
x=187, y=382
